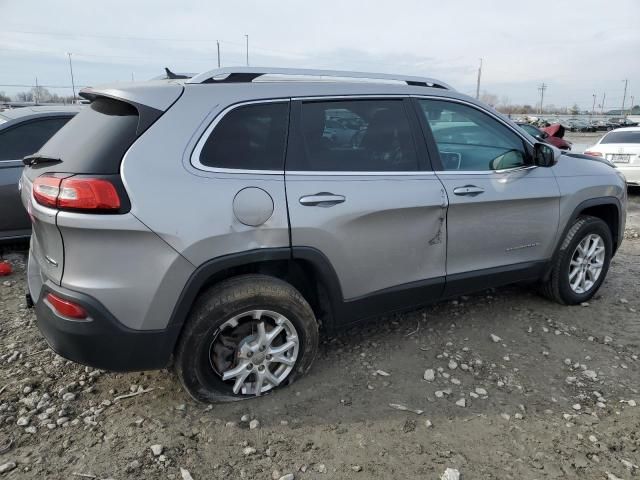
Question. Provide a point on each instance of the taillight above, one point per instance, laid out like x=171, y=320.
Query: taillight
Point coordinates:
x=593, y=154
x=45, y=190
x=88, y=194
x=76, y=193
x=66, y=308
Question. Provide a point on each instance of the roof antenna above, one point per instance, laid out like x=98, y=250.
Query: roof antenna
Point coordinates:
x=173, y=76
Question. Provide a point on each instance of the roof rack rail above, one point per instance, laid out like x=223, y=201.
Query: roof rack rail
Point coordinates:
x=248, y=74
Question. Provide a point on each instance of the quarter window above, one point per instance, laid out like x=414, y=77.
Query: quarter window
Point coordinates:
x=251, y=137
x=27, y=138
x=357, y=135
x=469, y=140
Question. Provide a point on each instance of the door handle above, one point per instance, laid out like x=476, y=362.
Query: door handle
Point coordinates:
x=471, y=190
x=322, y=199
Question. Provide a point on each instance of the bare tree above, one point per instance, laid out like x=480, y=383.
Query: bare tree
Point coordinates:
x=489, y=98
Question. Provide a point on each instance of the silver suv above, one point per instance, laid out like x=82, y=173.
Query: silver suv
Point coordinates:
x=219, y=222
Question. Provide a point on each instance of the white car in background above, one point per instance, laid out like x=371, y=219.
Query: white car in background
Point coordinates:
x=622, y=148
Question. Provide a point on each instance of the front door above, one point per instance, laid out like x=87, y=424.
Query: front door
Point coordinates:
x=503, y=211
x=357, y=192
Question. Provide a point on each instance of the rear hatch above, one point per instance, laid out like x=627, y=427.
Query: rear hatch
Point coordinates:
x=89, y=146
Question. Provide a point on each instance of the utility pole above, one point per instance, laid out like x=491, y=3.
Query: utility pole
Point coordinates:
x=73, y=83
x=478, y=83
x=541, y=89
x=631, y=106
x=36, y=97
x=604, y=96
x=593, y=107
x=218, y=43
x=247, y=37
x=624, y=97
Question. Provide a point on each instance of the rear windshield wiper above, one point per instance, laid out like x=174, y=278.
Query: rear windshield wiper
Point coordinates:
x=31, y=160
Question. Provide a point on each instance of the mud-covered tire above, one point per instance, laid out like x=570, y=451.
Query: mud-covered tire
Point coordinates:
x=557, y=287
x=222, y=302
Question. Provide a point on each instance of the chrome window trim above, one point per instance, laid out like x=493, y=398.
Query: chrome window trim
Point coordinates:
x=197, y=151
x=485, y=172
x=195, y=155
x=364, y=173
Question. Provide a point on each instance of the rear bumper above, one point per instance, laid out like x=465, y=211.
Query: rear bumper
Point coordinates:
x=100, y=341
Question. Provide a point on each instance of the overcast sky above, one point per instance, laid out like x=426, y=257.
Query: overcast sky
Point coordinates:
x=576, y=47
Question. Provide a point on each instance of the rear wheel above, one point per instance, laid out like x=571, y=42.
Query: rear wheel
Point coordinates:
x=582, y=263
x=245, y=337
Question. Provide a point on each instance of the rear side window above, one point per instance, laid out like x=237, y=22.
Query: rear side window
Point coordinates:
x=250, y=137
x=356, y=135
x=96, y=139
x=27, y=138
x=622, y=137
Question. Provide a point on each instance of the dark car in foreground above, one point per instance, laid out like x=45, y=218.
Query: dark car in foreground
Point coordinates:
x=22, y=132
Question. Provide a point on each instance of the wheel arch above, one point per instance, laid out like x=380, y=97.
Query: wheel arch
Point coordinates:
x=608, y=209
x=306, y=269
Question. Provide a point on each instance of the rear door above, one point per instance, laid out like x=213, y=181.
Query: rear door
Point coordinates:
x=503, y=212
x=359, y=192
x=17, y=142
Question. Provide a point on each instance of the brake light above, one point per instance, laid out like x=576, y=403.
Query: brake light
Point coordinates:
x=593, y=154
x=76, y=193
x=88, y=194
x=45, y=190
x=66, y=308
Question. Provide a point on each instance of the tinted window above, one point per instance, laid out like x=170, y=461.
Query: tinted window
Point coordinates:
x=94, y=141
x=470, y=140
x=531, y=130
x=27, y=138
x=252, y=137
x=621, y=137
x=358, y=135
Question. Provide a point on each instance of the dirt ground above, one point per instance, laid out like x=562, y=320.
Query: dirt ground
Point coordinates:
x=553, y=397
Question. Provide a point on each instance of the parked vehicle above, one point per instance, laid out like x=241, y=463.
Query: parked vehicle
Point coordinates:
x=622, y=148
x=555, y=136
x=551, y=135
x=22, y=132
x=620, y=122
x=211, y=222
x=579, y=125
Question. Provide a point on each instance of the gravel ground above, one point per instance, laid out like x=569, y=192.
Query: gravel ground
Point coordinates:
x=498, y=385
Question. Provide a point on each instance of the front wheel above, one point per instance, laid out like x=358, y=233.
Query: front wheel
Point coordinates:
x=582, y=262
x=245, y=337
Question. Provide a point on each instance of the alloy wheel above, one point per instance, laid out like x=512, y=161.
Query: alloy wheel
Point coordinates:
x=586, y=263
x=255, y=351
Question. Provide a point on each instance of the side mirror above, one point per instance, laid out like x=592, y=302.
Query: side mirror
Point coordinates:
x=544, y=135
x=543, y=155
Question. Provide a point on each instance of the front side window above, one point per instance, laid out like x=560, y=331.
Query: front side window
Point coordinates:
x=250, y=137
x=470, y=140
x=356, y=135
x=27, y=138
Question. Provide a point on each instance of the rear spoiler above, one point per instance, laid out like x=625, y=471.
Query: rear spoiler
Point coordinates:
x=150, y=99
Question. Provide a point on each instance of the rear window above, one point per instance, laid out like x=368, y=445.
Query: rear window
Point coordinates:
x=27, y=137
x=251, y=137
x=95, y=140
x=621, y=137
